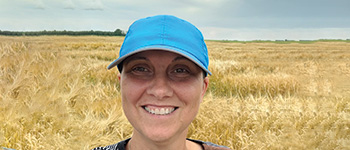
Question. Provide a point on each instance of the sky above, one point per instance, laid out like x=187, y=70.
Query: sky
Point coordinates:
x=217, y=19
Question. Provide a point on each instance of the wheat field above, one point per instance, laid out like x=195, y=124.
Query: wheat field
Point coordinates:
x=56, y=93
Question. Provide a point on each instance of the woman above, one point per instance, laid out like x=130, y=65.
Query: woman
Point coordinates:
x=163, y=65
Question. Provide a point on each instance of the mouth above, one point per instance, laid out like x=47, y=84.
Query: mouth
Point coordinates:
x=159, y=111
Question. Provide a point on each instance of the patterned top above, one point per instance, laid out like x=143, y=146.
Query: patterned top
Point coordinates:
x=122, y=146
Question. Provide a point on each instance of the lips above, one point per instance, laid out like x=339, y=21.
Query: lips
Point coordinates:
x=159, y=110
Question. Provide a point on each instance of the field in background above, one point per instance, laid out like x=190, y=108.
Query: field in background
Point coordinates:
x=56, y=93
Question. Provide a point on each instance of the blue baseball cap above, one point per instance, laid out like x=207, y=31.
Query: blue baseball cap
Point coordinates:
x=168, y=33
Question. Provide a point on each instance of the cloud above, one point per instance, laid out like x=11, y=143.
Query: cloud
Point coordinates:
x=92, y=4
x=68, y=4
x=37, y=4
x=220, y=19
x=65, y=4
x=274, y=34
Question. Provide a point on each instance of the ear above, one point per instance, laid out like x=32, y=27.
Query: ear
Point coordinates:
x=205, y=87
x=119, y=76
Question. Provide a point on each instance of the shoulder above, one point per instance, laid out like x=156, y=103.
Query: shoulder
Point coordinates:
x=110, y=147
x=210, y=146
x=118, y=146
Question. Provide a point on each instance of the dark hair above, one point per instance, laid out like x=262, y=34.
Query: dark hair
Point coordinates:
x=120, y=66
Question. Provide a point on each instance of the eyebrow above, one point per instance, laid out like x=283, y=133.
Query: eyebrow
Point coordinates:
x=135, y=58
x=144, y=58
x=180, y=58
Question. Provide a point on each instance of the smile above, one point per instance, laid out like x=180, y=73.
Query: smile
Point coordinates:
x=160, y=111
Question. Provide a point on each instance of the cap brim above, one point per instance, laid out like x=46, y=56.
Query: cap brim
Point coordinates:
x=164, y=48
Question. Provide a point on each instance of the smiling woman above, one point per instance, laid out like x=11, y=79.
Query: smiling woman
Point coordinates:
x=163, y=65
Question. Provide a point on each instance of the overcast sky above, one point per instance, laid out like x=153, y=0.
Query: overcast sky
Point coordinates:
x=217, y=19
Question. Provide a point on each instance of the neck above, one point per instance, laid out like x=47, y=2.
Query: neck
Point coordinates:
x=138, y=142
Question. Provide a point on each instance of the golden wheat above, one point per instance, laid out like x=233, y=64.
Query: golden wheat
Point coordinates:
x=55, y=93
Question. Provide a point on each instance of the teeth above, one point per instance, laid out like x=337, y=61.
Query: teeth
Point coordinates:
x=162, y=111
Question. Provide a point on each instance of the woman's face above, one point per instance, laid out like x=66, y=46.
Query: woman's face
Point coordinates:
x=161, y=93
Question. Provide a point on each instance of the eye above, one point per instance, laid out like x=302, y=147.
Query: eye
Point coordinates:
x=140, y=69
x=181, y=70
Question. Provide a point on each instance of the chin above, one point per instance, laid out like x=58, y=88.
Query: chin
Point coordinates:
x=162, y=135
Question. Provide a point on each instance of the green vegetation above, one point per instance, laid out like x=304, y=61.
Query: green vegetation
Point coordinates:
x=282, y=41
x=117, y=32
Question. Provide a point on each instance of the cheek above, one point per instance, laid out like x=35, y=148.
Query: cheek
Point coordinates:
x=131, y=94
x=191, y=98
x=191, y=94
x=128, y=91
x=131, y=90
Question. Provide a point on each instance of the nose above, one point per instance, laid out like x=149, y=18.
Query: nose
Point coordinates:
x=160, y=88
